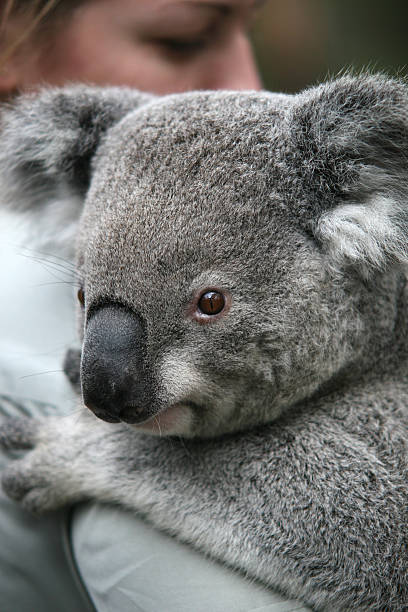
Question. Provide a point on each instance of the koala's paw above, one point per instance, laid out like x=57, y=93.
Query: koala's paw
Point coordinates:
x=24, y=485
x=36, y=480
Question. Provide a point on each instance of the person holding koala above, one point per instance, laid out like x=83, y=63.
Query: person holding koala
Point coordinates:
x=271, y=229
x=159, y=46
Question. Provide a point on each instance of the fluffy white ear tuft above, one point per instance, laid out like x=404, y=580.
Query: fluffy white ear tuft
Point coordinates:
x=369, y=234
x=48, y=142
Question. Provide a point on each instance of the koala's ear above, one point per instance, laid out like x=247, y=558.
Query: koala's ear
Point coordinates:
x=48, y=140
x=353, y=138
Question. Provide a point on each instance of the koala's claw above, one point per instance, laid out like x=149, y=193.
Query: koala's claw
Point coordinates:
x=23, y=482
x=18, y=434
x=27, y=480
x=16, y=481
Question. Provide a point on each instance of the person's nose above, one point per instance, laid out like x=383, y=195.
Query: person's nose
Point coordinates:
x=234, y=67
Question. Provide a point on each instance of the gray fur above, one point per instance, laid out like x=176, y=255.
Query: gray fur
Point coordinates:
x=293, y=404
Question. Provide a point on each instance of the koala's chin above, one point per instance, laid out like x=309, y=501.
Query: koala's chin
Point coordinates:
x=177, y=419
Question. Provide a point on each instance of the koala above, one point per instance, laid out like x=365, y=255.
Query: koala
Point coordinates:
x=242, y=306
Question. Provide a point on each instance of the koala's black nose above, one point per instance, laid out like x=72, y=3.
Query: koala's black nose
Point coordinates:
x=113, y=380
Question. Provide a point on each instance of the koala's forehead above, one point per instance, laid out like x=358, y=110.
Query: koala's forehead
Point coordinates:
x=223, y=140
x=187, y=181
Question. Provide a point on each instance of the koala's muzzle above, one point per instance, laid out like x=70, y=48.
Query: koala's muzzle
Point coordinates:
x=113, y=378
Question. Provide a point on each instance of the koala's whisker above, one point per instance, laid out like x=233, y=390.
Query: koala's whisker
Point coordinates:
x=46, y=255
x=56, y=269
x=55, y=263
x=58, y=282
x=39, y=374
x=158, y=425
x=58, y=273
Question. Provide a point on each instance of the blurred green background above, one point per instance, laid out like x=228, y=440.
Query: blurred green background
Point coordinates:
x=301, y=42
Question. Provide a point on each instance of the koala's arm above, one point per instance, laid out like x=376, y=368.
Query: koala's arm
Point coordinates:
x=315, y=507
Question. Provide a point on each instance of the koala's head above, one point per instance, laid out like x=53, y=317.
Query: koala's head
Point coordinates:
x=238, y=252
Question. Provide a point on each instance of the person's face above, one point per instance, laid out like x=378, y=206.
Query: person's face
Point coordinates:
x=160, y=46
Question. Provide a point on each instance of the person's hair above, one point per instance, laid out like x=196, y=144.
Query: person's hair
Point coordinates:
x=38, y=16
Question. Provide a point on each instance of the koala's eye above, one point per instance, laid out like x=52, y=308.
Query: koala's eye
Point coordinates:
x=211, y=302
x=81, y=296
x=209, y=305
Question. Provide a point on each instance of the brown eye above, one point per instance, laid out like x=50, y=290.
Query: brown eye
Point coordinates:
x=211, y=302
x=81, y=296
